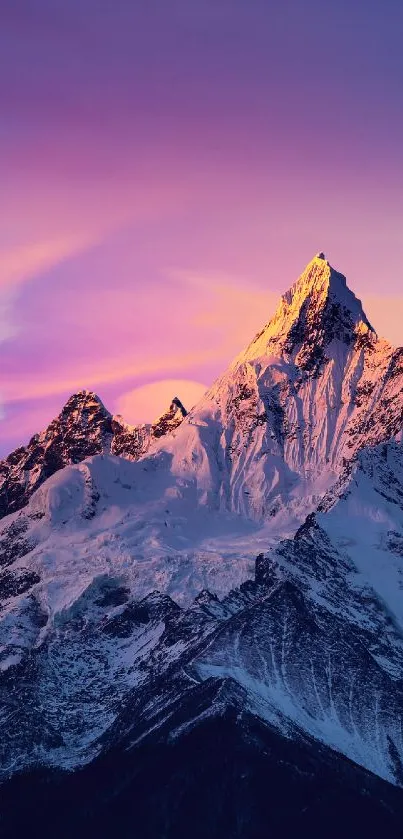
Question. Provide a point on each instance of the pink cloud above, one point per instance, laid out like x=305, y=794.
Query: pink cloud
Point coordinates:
x=147, y=403
x=19, y=264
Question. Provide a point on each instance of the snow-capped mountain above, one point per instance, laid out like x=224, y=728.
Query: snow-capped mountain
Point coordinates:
x=83, y=428
x=313, y=387
x=241, y=563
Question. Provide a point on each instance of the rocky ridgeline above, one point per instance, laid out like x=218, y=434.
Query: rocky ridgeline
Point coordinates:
x=83, y=428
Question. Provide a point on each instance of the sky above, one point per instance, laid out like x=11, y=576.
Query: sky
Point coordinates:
x=167, y=169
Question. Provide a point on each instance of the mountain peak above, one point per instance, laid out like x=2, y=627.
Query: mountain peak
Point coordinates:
x=318, y=286
x=84, y=399
x=318, y=309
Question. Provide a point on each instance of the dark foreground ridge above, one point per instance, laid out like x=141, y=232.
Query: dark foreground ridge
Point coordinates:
x=227, y=777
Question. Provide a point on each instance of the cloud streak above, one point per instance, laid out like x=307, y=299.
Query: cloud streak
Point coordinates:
x=92, y=376
x=147, y=403
x=20, y=264
x=213, y=318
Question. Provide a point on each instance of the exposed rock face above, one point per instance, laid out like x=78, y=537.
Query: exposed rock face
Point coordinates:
x=83, y=428
x=318, y=309
x=129, y=440
x=170, y=420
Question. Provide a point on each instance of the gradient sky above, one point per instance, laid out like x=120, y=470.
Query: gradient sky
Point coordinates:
x=167, y=169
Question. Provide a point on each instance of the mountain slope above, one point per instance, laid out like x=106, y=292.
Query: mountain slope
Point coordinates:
x=315, y=641
x=293, y=638
x=229, y=776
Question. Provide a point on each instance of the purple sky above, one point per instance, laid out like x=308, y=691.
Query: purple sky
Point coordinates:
x=168, y=168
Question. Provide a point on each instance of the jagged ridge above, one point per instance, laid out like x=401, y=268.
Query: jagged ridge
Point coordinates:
x=83, y=428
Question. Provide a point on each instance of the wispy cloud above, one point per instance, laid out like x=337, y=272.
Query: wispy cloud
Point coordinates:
x=233, y=306
x=92, y=375
x=7, y=328
x=22, y=263
x=212, y=323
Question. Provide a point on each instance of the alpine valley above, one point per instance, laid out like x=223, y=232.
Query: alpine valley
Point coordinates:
x=201, y=620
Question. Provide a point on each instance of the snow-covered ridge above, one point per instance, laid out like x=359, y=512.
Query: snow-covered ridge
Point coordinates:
x=83, y=428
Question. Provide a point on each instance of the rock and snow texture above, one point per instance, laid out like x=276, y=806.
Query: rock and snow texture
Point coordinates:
x=294, y=455
x=170, y=420
x=313, y=388
x=83, y=428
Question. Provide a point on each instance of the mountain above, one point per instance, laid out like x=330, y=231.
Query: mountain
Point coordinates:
x=314, y=387
x=237, y=575
x=83, y=428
